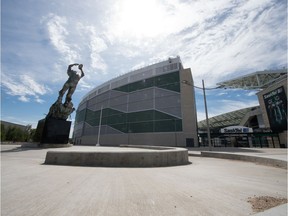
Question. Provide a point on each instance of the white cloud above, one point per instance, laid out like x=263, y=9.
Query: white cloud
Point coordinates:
x=23, y=98
x=224, y=106
x=251, y=93
x=136, y=19
x=58, y=34
x=238, y=43
x=33, y=86
x=152, y=18
x=38, y=99
x=84, y=86
x=24, y=87
x=97, y=62
x=96, y=45
x=139, y=65
x=231, y=105
x=202, y=115
x=218, y=40
x=222, y=93
x=76, y=42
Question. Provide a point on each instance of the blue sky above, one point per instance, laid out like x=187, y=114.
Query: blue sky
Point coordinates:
x=217, y=39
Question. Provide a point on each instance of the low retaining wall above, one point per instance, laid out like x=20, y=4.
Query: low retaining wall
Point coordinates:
x=149, y=157
x=255, y=159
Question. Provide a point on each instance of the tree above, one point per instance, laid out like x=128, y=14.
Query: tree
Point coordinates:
x=32, y=135
x=17, y=134
x=3, y=133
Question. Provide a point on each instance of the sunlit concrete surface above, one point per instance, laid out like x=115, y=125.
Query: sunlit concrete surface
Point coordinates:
x=208, y=186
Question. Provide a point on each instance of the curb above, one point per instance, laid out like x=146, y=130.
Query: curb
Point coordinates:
x=260, y=160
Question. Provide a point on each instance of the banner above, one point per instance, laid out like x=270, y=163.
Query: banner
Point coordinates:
x=276, y=108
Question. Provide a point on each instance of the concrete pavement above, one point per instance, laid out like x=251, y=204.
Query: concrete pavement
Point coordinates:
x=208, y=186
x=278, y=210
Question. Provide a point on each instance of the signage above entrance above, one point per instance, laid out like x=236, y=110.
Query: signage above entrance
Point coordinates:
x=236, y=129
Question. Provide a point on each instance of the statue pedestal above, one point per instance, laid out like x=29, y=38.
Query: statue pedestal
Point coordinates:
x=54, y=131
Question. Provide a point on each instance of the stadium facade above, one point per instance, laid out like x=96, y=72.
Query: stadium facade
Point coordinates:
x=273, y=103
x=149, y=106
x=268, y=120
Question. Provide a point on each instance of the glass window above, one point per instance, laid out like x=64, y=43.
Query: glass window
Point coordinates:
x=167, y=78
x=167, y=81
x=80, y=115
x=160, y=116
x=165, y=126
x=120, y=127
x=140, y=116
x=141, y=127
x=124, y=88
x=92, y=114
x=117, y=119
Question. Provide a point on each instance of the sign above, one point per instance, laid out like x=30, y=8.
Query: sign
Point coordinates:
x=276, y=108
x=236, y=129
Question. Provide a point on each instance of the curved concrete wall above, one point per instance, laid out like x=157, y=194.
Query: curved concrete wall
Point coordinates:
x=120, y=157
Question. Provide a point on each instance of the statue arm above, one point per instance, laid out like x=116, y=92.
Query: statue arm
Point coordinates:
x=71, y=65
x=82, y=73
x=80, y=68
x=69, y=70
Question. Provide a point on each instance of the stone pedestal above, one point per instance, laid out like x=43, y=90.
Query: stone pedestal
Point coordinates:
x=54, y=131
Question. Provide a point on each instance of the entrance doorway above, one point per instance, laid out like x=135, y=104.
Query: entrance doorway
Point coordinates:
x=255, y=140
x=189, y=142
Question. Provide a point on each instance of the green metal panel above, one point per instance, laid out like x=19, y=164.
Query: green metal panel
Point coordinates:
x=135, y=122
x=141, y=127
x=140, y=116
x=141, y=121
x=168, y=81
x=80, y=116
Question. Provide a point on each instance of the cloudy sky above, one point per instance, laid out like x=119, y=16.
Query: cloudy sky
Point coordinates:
x=217, y=39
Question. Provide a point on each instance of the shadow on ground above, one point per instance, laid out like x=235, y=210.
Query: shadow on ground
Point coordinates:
x=20, y=147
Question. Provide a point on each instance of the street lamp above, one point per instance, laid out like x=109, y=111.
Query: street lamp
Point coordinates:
x=206, y=110
x=207, y=120
x=99, y=129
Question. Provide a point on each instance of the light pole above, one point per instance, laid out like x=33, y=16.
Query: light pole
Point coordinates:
x=207, y=119
x=99, y=130
x=206, y=109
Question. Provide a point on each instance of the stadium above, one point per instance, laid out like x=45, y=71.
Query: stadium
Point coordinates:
x=149, y=106
x=155, y=105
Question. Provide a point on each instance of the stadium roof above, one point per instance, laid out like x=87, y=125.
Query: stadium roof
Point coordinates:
x=257, y=80
x=226, y=119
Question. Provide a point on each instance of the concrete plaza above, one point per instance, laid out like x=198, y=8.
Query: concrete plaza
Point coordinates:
x=207, y=186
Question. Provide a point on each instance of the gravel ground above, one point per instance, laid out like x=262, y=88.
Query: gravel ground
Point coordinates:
x=262, y=203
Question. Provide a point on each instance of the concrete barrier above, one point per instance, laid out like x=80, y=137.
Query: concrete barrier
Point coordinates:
x=120, y=157
x=249, y=158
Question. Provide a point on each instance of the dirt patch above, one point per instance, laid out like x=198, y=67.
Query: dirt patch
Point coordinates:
x=263, y=203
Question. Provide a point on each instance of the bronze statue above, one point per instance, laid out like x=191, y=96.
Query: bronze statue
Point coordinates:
x=71, y=83
x=62, y=111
